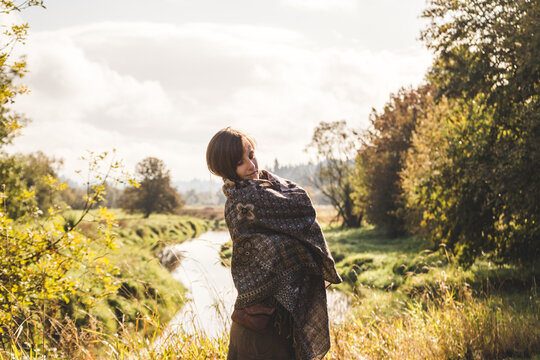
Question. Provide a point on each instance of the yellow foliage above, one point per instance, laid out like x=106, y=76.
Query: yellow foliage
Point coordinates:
x=47, y=263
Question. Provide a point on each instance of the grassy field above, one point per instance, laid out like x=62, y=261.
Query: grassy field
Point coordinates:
x=408, y=302
x=413, y=303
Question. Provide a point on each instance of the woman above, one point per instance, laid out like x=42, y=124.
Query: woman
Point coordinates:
x=280, y=258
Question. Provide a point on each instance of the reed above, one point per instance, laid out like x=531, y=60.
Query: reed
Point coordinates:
x=448, y=324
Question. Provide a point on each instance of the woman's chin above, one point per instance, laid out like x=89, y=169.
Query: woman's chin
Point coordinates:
x=254, y=176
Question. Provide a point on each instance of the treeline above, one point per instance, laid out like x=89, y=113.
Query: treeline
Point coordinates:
x=27, y=181
x=302, y=174
x=32, y=173
x=457, y=160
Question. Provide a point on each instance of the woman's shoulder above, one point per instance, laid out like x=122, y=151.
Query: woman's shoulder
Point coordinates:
x=266, y=188
x=233, y=186
x=278, y=181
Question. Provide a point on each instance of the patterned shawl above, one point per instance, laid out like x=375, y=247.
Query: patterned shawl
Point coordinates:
x=279, y=251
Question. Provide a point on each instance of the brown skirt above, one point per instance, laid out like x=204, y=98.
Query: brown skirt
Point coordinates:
x=246, y=344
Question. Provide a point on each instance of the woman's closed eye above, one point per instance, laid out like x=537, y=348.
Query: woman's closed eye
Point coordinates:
x=251, y=156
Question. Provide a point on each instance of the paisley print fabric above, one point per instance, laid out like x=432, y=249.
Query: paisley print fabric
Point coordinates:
x=279, y=251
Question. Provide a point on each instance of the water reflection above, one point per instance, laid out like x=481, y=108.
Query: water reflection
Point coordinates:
x=211, y=291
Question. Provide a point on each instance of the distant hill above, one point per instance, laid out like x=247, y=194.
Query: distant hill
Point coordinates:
x=198, y=185
x=208, y=192
x=300, y=174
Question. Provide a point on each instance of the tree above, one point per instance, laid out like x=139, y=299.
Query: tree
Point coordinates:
x=25, y=178
x=74, y=197
x=383, y=154
x=155, y=194
x=46, y=264
x=38, y=173
x=479, y=191
x=335, y=147
x=485, y=46
x=11, y=71
x=27, y=183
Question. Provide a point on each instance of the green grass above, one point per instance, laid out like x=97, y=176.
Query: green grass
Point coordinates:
x=414, y=303
x=401, y=285
x=365, y=257
x=147, y=289
x=408, y=302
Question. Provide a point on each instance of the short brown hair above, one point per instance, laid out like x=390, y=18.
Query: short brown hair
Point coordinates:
x=225, y=150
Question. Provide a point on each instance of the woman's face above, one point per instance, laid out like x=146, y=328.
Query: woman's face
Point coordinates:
x=247, y=167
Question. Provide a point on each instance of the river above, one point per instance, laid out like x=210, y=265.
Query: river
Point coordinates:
x=211, y=292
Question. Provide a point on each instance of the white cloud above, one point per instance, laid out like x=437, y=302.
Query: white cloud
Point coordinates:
x=322, y=5
x=163, y=90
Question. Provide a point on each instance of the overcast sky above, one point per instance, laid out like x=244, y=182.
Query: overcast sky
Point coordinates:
x=160, y=78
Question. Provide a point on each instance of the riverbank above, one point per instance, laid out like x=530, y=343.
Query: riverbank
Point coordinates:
x=414, y=303
x=408, y=303
x=147, y=289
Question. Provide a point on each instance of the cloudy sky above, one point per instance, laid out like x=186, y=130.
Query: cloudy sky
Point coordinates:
x=160, y=78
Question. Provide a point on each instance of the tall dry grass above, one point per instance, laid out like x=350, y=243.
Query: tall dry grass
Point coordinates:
x=148, y=340
x=453, y=324
x=436, y=316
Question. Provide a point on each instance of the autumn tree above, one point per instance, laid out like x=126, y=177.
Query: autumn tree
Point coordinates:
x=477, y=189
x=12, y=70
x=46, y=264
x=17, y=186
x=335, y=146
x=155, y=193
x=382, y=157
